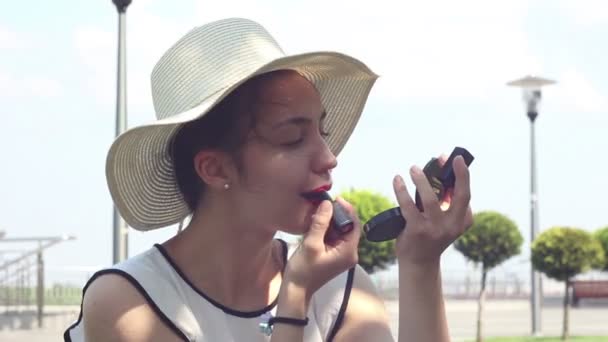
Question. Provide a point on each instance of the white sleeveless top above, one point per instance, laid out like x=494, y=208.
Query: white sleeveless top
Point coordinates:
x=194, y=316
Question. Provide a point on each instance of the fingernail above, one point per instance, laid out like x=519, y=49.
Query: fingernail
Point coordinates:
x=398, y=180
x=325, y=206
x=415, y=170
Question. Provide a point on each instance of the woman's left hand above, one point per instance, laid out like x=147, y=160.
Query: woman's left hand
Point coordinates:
x=427, y=234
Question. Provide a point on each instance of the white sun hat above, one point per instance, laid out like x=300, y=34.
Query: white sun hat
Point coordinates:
x=193, y=76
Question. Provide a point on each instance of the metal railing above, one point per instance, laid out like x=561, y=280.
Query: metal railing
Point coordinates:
x=22, y=288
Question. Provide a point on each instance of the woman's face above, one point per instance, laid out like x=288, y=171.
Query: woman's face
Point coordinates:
x=284, y=156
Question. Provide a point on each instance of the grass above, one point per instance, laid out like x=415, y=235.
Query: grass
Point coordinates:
x=547, y=339
x=56, y=295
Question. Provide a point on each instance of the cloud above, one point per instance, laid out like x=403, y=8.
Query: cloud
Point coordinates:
x=575, y=93
x=431, y=49
x=424, y=49
x=11, y=40
x=148, y=35
x=586, y=12
x=96, y=51
x=12, y=86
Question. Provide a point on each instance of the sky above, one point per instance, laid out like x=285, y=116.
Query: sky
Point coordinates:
x=443, y=69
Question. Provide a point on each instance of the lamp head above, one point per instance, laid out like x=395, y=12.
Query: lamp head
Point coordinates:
x=532, y=97
x=531, y=87
x=121, y=5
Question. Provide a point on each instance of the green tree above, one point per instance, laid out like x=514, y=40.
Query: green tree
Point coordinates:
x=563, y=252
x=373, y=256
x=602, y=236
x=492, y=239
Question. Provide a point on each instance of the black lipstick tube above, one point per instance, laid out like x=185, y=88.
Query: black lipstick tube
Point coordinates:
x=341, y=220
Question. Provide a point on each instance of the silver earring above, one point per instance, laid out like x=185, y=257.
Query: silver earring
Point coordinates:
x=226, y=186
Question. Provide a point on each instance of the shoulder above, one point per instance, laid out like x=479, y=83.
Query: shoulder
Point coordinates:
x=115, y=308
x=365, y=295
x=366, y=317
x=128, y=302
x=348, y=305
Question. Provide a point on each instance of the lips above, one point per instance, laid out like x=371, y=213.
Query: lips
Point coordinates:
x=319, y=194
x=322, y=188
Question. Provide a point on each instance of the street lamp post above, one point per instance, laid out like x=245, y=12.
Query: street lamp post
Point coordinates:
x=120, y=232
x=531, y=87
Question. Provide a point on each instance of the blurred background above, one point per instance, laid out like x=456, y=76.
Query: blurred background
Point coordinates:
x=444, y=70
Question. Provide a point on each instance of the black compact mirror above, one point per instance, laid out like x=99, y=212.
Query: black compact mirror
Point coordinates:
x=388, y=224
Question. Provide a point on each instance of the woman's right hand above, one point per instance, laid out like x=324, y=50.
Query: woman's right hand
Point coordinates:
x=322, y=255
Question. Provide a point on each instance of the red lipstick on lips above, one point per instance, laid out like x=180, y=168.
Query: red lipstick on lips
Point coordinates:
x=322, y=188
x=316, y=196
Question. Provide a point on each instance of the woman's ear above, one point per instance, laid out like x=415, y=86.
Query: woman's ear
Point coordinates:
x=211, y=166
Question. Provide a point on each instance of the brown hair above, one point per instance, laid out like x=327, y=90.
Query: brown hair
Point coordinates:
x=225, y=127
x=221, y=128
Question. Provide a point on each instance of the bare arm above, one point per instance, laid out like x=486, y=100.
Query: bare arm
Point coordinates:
x=419, y=247
x=315, y=261
x=421, y=307
x=113, y=310
x=293, y=303
x=366, y=318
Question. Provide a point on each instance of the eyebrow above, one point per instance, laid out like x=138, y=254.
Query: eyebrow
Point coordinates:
x=298, y=121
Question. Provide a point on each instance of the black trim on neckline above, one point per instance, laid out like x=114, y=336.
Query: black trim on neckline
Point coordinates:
x=340, y=318
x=140, y=289
x=238, y=313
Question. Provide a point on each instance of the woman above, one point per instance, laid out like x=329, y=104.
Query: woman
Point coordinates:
x=244, y=133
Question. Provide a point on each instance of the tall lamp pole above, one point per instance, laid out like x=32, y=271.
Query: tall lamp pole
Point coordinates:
x=120, y=232
x=531, y=87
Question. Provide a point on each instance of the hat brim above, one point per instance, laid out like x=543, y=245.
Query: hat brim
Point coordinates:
x=139, y=169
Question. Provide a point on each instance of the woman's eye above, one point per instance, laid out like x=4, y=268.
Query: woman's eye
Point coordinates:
x=293, y=143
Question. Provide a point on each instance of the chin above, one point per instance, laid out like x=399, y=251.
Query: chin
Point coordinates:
x=296, y=228
x=297, y=222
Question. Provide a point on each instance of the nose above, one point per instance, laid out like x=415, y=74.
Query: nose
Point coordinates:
x=324, y=160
